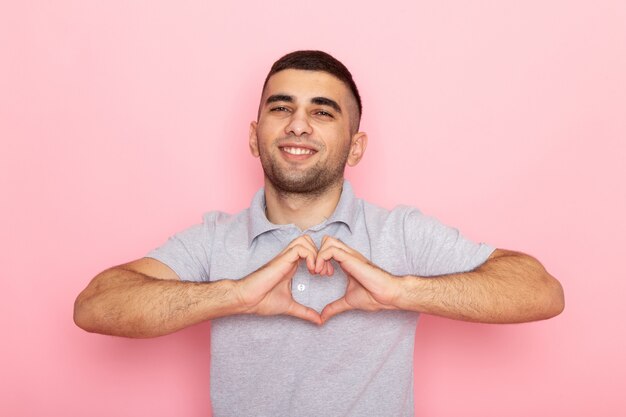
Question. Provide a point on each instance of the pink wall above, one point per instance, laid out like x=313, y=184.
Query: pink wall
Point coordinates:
x=122, y=122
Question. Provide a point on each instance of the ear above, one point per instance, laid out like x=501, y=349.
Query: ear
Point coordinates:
x=357, y=148
x=253, y=141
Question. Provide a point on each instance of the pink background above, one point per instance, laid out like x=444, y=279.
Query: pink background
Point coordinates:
x=122, y=122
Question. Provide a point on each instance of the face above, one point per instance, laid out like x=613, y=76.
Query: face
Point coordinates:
x=303, y=134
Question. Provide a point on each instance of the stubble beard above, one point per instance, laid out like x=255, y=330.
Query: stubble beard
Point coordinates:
x=312, y=182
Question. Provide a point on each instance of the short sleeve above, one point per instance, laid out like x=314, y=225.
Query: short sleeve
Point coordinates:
x=436, y=249
x=188, y=253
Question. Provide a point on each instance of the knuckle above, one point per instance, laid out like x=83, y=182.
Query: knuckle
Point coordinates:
x=296, y=248
x=301, y=238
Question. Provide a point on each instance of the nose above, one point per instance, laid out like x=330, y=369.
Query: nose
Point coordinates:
x=298, y=125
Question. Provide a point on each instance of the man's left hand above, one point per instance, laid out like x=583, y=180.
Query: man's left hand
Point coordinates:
x=369, y=287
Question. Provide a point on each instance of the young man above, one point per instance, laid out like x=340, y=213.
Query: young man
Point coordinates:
x=314, y=294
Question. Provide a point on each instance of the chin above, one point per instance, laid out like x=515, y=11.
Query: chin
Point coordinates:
x=311, y=185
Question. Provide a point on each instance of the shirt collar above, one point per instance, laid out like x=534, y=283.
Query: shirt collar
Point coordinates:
x=345, y=212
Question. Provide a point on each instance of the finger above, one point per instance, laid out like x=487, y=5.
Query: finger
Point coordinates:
x=304, y=313
x=309, y=239
x=338, y=243
x=329, y=242
x=334, y=308
x=303, y=240
x=332, y=252
x=306, y=241
x=333, y=241
x=297, y=252
x=353, y=265
x=327, y=268
x=321, y=264
x=314, y=269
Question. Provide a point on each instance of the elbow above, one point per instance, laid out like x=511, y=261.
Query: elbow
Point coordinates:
x=556, y=303
x=81, y=316
x=548, y=299
x=549, y=296
x=88, y=311
x=552, y=298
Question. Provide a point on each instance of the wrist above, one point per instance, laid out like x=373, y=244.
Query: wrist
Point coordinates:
x=408, y=286
x=240, y=303
x=398, y=284
x=393, y=294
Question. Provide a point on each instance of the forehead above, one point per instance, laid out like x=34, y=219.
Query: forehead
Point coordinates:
x=303, y=85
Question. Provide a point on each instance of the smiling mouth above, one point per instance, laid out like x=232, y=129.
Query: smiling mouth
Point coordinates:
x=291, y=150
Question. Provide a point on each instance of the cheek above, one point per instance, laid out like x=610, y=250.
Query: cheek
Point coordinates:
x=261, y=135
x=268, y=132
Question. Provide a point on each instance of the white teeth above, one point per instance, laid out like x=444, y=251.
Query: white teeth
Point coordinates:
x=298, y=151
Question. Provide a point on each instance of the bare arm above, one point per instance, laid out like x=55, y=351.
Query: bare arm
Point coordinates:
x=145, y=298
x=510, y=287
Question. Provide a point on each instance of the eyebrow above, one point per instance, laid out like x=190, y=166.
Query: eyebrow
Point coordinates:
x=323, y=101
x=320, y=101
x=279, y=97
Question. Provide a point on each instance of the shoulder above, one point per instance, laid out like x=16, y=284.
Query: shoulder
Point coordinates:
x=395, y=217
x=216, y=217
x=227, y=229
x=213, y=222
x=220, y=219
x=403, y=221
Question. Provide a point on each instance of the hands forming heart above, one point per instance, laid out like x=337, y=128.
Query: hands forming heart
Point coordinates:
x=267, y=291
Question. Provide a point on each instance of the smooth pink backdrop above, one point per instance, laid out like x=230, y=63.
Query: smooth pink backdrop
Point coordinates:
x=122, y=122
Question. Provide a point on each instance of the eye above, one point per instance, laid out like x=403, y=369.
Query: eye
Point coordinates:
x=279, y=109
x=324, y=113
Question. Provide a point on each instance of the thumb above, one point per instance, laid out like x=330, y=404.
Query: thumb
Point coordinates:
x=334, y=308
x=304, y=313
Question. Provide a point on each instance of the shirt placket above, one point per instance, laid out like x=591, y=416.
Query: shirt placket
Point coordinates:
x=301, y=281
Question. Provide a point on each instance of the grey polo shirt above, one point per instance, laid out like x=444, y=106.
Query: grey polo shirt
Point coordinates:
x=357, y=364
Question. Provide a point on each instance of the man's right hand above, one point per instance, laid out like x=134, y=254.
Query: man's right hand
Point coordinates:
x=267, y=291
x=145, y=298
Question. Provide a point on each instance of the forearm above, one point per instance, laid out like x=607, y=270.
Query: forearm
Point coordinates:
x=126, y=303
x=508, y=288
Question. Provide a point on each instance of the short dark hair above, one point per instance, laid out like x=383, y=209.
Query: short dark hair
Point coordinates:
x=318, y=61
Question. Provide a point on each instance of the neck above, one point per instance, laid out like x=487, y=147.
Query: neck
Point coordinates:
x=303, y=210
